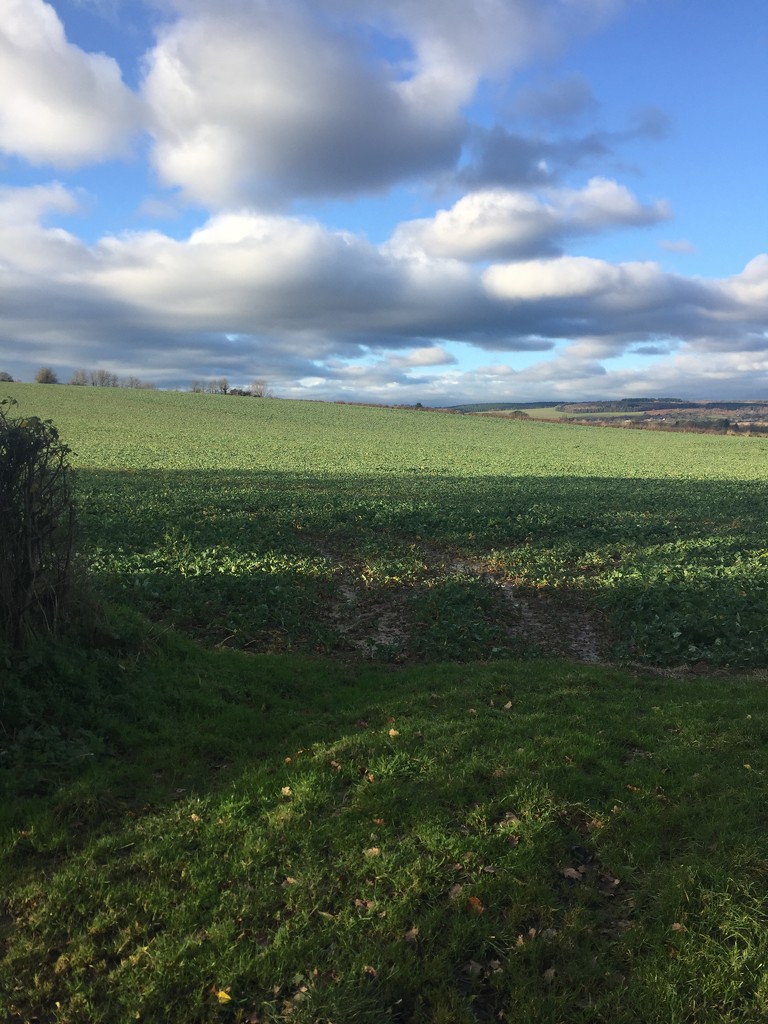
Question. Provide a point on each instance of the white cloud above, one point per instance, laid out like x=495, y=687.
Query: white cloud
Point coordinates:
x=503, y=223
x=27, y=206
x=433, y=355
x=265, y=103
x=569, y=277
x=286, y=298
x=58, y=104
x=750, y=287
x=30, y=249
x=456, y=43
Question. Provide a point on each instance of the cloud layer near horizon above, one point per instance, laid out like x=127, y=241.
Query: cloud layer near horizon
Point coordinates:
x=246, y=109
x=253, y=294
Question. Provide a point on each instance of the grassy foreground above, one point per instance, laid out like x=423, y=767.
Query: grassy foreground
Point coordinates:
x=194, y=835
x=203, y=836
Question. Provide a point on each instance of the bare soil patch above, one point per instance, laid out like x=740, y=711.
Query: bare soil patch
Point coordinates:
x=375, y=622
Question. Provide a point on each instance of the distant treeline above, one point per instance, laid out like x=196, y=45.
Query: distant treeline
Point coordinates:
x=84, y=378
x=683, y=424
x=671, y=405
x=626, y=405
x=100, y=378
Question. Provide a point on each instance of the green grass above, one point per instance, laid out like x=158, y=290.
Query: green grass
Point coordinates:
x=192, y=834
x=445, y=843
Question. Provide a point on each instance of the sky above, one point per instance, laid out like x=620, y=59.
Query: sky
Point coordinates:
x=395, y=201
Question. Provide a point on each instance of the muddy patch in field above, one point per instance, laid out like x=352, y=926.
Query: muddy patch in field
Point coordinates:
x=382, y=622
x=370, y=623
x=559, y=624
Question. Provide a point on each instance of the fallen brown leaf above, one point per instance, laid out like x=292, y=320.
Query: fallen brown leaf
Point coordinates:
x=475, y=905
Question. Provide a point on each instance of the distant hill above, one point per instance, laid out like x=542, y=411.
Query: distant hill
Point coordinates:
x=614, y=406
x=501, y=406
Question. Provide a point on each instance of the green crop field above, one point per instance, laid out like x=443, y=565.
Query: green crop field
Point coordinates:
x=334, y=738
x=274, y=525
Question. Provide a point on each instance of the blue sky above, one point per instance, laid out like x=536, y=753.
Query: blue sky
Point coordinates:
x=388, y=200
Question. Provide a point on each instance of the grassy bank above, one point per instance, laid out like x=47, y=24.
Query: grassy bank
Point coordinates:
x=194, y=835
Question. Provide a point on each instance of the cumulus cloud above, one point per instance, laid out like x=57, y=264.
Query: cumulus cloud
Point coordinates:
x=58, y=104
x=28, y=206
x=508, y=224
x=247, y=272
x=264, y=103
x=285, y=297
x=456, y=44
x=578, y=297
x=750, y=287
x=28, y=248
x=573, y=277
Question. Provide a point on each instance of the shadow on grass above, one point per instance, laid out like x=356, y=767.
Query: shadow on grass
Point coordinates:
x=275, y=561
x=357, y=843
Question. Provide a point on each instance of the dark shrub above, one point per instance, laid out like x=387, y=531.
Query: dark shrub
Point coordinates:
x=37, y=521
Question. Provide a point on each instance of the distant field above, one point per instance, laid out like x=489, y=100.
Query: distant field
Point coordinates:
x=392, y=534
x=545, y=412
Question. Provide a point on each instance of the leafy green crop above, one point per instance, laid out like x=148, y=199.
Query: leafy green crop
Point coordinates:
x=398, y=534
